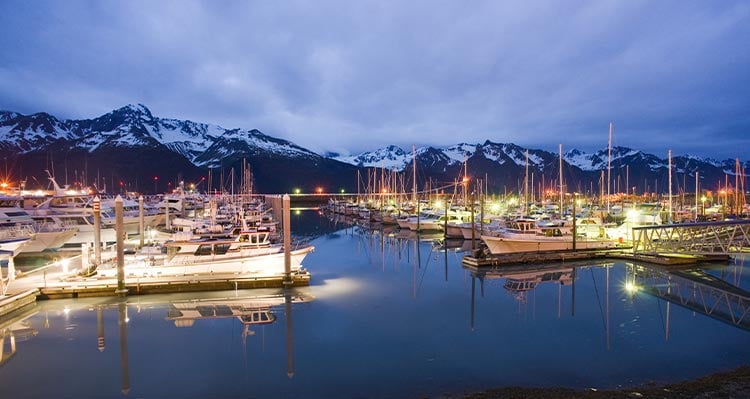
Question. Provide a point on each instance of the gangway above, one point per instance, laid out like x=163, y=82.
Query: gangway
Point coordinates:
x=707, y=238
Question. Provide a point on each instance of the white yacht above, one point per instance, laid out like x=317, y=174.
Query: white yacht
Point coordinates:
x=250, y=252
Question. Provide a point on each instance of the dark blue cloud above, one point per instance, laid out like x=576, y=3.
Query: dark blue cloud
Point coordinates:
x=350, y=76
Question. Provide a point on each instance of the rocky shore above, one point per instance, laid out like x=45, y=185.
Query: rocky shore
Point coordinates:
x=733, y=384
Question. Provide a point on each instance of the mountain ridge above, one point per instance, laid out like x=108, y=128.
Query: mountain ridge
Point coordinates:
x=186, y=148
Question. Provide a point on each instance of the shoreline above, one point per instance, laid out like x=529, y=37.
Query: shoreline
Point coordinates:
x=725, y=384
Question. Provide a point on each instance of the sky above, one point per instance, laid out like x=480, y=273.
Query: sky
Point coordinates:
x=351, y=76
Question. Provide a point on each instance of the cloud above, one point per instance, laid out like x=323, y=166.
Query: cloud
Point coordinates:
x=337, y=75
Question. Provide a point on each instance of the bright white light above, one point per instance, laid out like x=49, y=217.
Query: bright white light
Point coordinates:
x=633, y=214
x=495, y=208
x=630, y=287
x=64, y=263
x=337, y=287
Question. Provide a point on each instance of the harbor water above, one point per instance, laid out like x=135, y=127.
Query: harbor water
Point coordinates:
x=388, y=314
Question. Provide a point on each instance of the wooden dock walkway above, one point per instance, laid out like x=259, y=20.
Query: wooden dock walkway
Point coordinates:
x=665, y=259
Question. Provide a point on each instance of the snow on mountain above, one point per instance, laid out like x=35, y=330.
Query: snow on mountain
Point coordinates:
x=460, y=152
x=135, y=125
x=391, y=157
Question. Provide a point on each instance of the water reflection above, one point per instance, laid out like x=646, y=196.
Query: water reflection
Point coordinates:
x=17, y=328
x=395, y=315
x=249, y=309
x=717, y=296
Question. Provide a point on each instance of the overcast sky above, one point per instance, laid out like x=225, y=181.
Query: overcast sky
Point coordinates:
x=350, y=76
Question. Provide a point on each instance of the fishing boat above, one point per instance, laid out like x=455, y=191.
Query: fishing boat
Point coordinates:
x=248, y=253
x=45, y=236
x=541, y=239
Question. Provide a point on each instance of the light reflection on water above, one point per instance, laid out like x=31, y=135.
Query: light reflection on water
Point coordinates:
x=388, y=316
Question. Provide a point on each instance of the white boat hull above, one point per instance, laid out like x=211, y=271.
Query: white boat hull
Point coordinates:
x=505, y=245
x=261, y=265
x=47, y=240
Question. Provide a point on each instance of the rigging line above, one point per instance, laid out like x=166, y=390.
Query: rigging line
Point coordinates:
x=598, y=300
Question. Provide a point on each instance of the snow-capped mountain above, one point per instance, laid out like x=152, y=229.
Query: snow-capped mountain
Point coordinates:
x=203, y=144
x=506, y=162
x=130, y=144
x=394, y=157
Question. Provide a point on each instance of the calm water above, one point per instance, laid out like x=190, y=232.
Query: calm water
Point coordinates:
x=387, y=316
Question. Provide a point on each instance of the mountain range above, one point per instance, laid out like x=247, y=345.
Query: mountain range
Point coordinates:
x=131, y=148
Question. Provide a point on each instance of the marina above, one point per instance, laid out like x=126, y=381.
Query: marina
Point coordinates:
x=374, y=200
x=244, y=262
x=422, y=320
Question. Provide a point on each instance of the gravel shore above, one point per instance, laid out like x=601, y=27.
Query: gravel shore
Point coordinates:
x=733, y=384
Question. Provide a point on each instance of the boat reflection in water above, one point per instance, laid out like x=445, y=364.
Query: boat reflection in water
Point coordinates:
x=519, y=284
x=249, y=311
x=251, y=308
x=16, y=329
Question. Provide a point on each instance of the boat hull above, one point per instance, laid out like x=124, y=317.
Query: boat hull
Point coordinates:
x=47, y=241
x=259, y=265
x=505, y=245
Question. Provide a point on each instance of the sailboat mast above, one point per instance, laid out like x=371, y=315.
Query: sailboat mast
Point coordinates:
x=696, y=195
x=466, y=186
x=561, y=182
x=414, y=175
x=526, y=185
x=669, y=154
x=737, y=186
x=609, y=161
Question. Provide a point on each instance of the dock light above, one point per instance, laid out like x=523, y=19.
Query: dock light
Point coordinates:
x=297, y=191
x=319, y=190
x=438, y=204
x=632, y=215
x=343, y=191
x=4, y=185
x=495, y=208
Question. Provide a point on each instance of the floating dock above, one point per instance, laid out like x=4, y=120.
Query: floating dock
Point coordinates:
x=18, y=301
x=194, y=283
x=518, y=258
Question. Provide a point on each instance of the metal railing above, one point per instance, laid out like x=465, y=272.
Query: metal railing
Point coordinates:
x=708, y=238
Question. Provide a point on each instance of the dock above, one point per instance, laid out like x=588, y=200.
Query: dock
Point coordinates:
x=167, y=285
x=664, y=259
